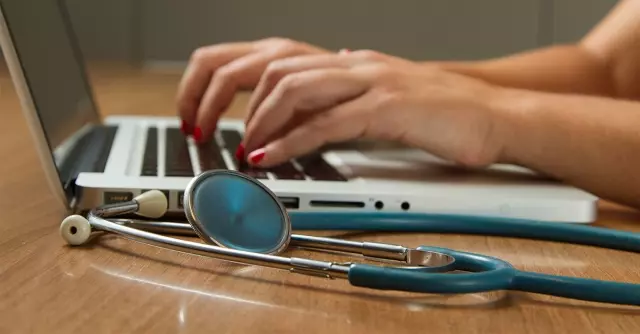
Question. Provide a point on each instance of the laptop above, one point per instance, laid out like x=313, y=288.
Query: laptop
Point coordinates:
x=90, y=160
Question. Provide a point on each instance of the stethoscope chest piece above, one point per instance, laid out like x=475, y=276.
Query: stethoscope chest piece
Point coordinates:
x=229, y=209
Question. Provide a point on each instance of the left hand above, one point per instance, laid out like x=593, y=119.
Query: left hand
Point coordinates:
x=304, y=102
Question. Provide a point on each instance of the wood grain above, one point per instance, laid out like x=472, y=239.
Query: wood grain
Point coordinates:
x=119, y=286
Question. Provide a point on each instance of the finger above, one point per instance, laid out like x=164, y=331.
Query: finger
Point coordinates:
x=277, y=70
x=281, y=68
x=198, y=73
x=238, y=74
x=309, y=91
x=341, y=123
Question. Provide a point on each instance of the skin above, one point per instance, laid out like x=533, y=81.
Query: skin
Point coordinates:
x=567, y=111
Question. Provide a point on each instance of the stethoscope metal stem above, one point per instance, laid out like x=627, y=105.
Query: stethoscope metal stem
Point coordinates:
x=295, y=265
x=385, y=251
x=373, y=250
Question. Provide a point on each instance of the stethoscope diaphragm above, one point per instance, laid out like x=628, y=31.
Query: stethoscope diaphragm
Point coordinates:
x=231, y=210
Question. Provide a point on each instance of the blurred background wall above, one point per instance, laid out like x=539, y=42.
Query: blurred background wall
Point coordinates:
x=165, y=32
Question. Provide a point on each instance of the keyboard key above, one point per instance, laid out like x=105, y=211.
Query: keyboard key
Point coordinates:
x=232, y=139
x=255, y=172
x=287, y=171
x=318, y=169
x=177, y=159
x=150, y=157
x=210, y=156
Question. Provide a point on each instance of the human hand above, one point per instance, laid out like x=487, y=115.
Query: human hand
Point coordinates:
x=215, y=73
x=302, y=103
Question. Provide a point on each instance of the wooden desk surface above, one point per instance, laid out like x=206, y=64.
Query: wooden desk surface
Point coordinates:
x=118, y=286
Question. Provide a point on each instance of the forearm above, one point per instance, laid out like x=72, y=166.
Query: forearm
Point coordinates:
x=561, y=69
x=590, y=142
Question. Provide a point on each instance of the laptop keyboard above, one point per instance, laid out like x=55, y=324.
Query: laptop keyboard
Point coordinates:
x=178, y=161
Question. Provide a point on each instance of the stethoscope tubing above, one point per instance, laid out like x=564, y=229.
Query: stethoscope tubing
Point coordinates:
x=491, y=274
x=489, y=226
x=486, y=273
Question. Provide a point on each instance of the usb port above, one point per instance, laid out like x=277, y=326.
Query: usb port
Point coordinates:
x=112, y=197
x=290, y=202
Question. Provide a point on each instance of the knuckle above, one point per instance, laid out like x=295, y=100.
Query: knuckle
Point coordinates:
x=286, y=46
x=225, y=75
x=369, y=54
x=275, y=71
x=279, y=42
x=388, y=100
x=275, y=40
x=321, y=123
x=290, y=83
x=200, y=55
x=381, y=72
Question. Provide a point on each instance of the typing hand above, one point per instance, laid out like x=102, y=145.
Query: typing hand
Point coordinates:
x=215, y=73
x=304, y=102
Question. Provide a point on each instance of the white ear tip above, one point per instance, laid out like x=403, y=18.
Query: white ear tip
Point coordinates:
x=75, y=230
x=152, y=204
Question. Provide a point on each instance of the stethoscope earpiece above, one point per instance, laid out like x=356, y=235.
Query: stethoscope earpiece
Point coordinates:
x=75, y=230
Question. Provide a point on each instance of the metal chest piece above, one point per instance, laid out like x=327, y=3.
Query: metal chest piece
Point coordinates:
x=232, y=210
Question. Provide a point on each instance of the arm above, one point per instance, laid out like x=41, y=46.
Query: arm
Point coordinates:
x=561, y=69
x=606, y=62
x=590, y=142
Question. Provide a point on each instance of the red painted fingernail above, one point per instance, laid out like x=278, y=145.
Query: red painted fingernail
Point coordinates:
x=240, y=152
x=256, y=156
x=197, y=134
x=185, y=128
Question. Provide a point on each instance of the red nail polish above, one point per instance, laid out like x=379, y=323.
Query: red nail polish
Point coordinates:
x=197, y=134
x=240, y=152
x=185, y=128
x=256, y=156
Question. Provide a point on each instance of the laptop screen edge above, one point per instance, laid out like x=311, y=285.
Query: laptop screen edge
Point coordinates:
x=45, y=154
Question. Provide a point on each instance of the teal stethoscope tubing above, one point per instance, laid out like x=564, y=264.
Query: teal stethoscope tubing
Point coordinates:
x=484, y=273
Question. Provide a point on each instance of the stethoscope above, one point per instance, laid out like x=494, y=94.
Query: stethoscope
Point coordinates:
x=241, y=220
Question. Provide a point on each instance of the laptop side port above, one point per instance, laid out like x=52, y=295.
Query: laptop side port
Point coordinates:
x=337, y=204
x=290, y=202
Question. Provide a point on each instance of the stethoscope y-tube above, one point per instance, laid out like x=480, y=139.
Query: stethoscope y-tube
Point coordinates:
x=242, y=221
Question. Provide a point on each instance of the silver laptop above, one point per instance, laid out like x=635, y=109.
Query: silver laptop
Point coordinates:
x=90, y=161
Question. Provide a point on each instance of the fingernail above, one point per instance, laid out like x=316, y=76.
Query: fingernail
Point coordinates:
x=197, y=134
x=343, y=51
x=240, y=152
x=256, y=156
x=185, y=128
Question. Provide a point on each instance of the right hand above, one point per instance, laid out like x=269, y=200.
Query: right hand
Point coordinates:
x=215, y=73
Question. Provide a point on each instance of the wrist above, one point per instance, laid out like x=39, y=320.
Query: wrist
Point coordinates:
x=510, y=110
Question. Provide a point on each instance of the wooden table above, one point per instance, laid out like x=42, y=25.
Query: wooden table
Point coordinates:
x=118, y=286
